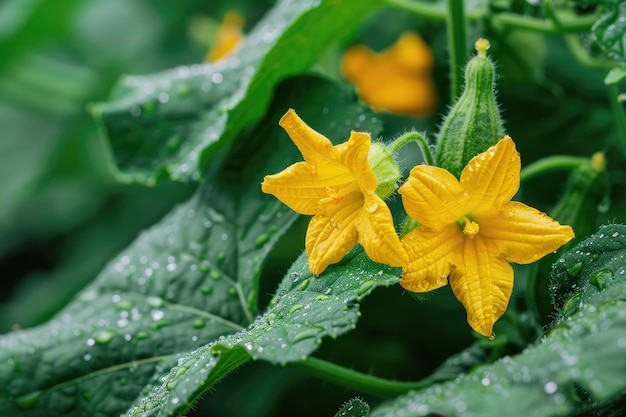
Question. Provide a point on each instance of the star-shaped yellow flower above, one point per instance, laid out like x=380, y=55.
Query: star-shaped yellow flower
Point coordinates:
x=398, y=79
x=337, y=185
x=470, y=231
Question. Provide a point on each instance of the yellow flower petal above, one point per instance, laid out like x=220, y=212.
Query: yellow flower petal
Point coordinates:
x=483, y=284
x=228, y=38
x=315, y=147
x=412, y=53
x=397, y=79
x=491, y=178
x=432, y=255
x=524, y=234
x=432, y=196
x=377, y=234
x=332, y=235
x=355, y=60
x=353, y=154
x=297, y=187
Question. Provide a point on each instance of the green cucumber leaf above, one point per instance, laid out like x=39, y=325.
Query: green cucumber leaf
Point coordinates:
x=579, y=366
x=169, y=124
x=610, y=28
x=590, y=273
x=354, y=408
x=615, y=76
x=304, y=310
x=182, y=284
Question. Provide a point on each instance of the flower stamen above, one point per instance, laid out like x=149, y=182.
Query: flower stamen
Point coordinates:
x=470, y=229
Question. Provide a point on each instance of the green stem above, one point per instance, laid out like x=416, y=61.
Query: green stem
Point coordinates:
x=356, y=380
x=552, y=163
x=412, y=136
x=430, y=10
x=457, y=44
x=511, y=20
x=515, y=21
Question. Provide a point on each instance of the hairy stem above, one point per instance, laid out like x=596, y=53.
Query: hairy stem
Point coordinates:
x=356, y=380
x=413, y=136
x=552, y=163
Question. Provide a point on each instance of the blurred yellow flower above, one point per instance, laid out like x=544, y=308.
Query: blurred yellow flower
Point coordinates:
x=337, y=185
x=470, y=231
x=228, y=37
x=398, y=80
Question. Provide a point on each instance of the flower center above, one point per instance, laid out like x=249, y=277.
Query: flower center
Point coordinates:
x=470, y=228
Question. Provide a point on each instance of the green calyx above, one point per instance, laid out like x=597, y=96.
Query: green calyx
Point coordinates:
x=385, y=168
x=474, y=123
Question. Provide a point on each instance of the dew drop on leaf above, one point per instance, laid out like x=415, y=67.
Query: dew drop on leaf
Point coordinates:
x=601, y=278
x=296, y=307
x=28, y=400
x=104, y=336
x=575, y=269
x=366, y=287
x=306, y=334
x=262, y=240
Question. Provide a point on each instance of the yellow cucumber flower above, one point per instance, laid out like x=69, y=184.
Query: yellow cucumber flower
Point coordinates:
x=336, y=184
x=228, y=37
x=470, y=232
x=398, y=79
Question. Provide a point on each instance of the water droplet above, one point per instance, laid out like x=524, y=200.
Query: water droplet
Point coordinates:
x=183, y=90
x=154, y=301
x=28, y=400
x=135, y=111
x=485, y=381
x=262, y=240
x=615, y=234
x=371, y=206
x=294, y=276
x=366, y=287
x=550, y=387
x=217, y=78
x=575, y=269
x=602, y=278
x=103, y=337
x=124, y=305
x=309, y=333
x=157, y=314
x=160, y=324
x=163, y=97
x=572, y=305
x=296, y=307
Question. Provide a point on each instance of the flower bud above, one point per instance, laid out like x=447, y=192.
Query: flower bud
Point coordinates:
x=385, y=168
x=473, y=124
